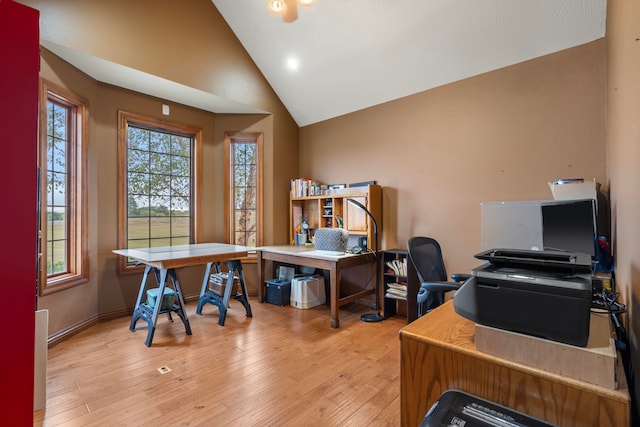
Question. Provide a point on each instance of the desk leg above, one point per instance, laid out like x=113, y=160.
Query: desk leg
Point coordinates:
x=136, y=309
x=334, y=293
x=261, y=284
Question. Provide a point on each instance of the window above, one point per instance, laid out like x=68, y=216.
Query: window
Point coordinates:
x=62, y=165
x=243, y=178
x=158, y=202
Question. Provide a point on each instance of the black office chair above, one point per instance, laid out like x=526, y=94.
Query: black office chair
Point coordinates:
x=426, y=255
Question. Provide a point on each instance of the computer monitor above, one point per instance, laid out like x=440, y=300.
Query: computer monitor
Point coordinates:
x=570, y=225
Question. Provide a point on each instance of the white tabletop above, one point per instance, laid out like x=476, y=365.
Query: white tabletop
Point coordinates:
x=306, y=251
x=186, y=255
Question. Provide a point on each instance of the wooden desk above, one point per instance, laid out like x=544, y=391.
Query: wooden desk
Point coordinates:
x=438, y=353
x=326, y=260
x=163, y=261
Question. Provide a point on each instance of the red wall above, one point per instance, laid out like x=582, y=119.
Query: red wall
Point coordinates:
x=19, y=66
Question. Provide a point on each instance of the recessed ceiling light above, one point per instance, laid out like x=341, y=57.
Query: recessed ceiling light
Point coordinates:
x=293, y=63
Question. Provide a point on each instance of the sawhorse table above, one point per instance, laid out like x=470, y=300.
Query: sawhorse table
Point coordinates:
x=164, y=261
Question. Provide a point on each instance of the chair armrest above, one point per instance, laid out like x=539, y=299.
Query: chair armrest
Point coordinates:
x=440, y=286
x=461, y=277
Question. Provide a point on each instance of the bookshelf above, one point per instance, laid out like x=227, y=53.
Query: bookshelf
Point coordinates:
x=331, y=209
x=399, y=275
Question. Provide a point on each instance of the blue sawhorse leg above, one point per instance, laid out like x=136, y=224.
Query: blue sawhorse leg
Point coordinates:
x=204, y=293
x=137, y=310
x=151, y=316
x=222, y=302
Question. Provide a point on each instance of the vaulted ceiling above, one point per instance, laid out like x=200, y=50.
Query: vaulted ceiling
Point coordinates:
x=353, y=54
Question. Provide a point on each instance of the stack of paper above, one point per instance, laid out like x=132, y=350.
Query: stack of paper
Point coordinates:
x=396, y=290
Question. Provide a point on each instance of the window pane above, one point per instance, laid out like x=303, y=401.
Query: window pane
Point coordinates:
x=250, y=201
x=180, y=166
x=159, y=163
x=138, y=161
x=180, y=226
x=160, y=185
x=155, y=243
x=244, y=190
x=138, y=228
x=138, y=139
x=160, y=227
x=181, y=187
x=160, y=142
x=159, y=189
x=59, y=122
x=58, y=149
x=137, y=244
x=179, y=241
x=63, y=140
x=180, y=146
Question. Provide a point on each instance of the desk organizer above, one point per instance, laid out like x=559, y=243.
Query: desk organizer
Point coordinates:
x=218, y=283
x=167, y=300
x=307, y=292
x=278, y=291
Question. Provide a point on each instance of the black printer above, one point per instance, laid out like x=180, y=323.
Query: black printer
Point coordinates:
x=546, y=294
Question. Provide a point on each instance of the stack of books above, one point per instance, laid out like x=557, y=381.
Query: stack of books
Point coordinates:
x=396, y=291
x=304, y=187
x=398, y=267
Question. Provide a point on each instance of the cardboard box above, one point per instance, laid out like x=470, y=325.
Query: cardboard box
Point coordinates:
x=596, y=363
x=575, y=190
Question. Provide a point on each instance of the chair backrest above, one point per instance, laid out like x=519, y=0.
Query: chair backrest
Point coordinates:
x=426, y=255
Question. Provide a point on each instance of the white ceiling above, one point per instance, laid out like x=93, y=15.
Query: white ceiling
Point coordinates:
x=357, y=53
x=354, y=54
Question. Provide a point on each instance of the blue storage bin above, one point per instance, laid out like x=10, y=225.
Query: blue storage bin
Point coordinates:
x=278, y=291
x=167, y=301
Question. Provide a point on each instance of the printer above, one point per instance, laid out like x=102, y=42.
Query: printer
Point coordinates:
x=546, y=294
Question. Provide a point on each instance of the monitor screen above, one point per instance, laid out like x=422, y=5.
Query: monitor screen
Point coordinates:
x=570, y=225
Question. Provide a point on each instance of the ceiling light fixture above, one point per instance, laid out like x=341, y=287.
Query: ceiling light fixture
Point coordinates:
x=288, y=8
x=277, y=6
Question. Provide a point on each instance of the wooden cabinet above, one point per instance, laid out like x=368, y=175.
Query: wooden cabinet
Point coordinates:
x=402, y=277
x=355, y=219
x=334, y=210
x=438, y=352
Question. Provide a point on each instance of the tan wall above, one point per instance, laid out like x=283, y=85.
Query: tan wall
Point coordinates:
x=190, y=45
x=498, y=136
x=623, y=157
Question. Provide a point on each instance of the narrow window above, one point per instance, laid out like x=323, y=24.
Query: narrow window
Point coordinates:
x=158, y=171
x=243, y=154
x=62, y=166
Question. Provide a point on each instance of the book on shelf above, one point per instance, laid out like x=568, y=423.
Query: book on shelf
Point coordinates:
x=398, y=266
x=398, y=286
x=394, y=296
x=304, y=187
x=396, y=290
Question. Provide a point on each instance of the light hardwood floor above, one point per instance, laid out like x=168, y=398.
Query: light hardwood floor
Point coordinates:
x=283, y=367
